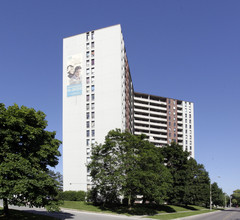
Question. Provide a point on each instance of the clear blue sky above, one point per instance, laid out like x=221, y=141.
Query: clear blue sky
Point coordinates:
x=187, y=50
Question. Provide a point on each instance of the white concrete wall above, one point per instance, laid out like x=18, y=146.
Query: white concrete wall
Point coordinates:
x=108, y=102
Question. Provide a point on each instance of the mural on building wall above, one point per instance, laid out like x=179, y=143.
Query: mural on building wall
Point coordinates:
x=74, y=75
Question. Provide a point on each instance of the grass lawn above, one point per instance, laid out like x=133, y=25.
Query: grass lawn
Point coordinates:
x=20, y=215
x=179, y=215
x=137, y=209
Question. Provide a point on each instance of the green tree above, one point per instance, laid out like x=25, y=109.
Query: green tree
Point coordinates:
x=128, y=165
x=236, y=197
x=176, y=161
x=197, y=187
x=26, y=152
x=218, y=197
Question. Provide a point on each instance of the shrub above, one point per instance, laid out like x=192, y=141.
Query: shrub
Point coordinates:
x=72, y=195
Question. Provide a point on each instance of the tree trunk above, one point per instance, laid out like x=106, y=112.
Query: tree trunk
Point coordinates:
x=5, y=206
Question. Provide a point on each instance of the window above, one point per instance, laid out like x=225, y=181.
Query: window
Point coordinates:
x=186, y=141
x=87, y=89
x=87, y=80
x=169, y=101
x=186, y=131
x=174, y=118
x=190, y=121
x=92, y=45
x=93, y=70
x=169, y=117
x=185, y=120
x=93, y=141
x=174, y=135
x=87, y=63
x=169, y=113
x=92, y=79
x=87, y=54
x=87, y=107
x=92, y=62
x=87, y=142
x=87, y=36
x=185, y=115
x=169, y=123
x=92, y=53
x=87, y=46
x=93, y=97
x=93, y=133
x=88, y=124
x=190, y=126
x=93, y=88
x=87, y=97
x=87, y=115
x=174, y=124
x=93, y=115
x=93, y=124
x=169, y=134
x=88, y=133
x=169, y=106
x=92, y=35
x=87, y=71
x=93, y=106
x=185, y=125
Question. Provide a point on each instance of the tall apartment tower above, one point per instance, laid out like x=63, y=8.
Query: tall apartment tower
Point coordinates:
x=164, y=120
x=97, y=97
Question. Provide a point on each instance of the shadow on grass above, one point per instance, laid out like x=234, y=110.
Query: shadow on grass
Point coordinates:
x=35, y=215
x=137, y=209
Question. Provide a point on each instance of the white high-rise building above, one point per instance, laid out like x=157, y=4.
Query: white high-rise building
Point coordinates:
x=98, y=96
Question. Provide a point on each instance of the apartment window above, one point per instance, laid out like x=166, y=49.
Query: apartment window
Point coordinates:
x=88, y=124
x=93, y=124
x=87, y=89
x=174, y=135
x=174, y=124
x=169, y=117
x=88, y=133
x=92, y=53
x=174, y=118
x=169, y=101
x=185, y=120
x=93, y=141
x=190, y=121
x=169, y=113
x=190, y=147
x=186, y=131
x=92, y=35
x=87, y=107
x=174, y=129
x=87, y=71
x=169, y=106
x=169, y=123
x=93, y=115
x=93, y=70
x=92, y=62
x=190, y=126
x=186, y=141
x=87, y=63
x=93, y=106
x=185, y=125
x=87, y=142
x=87, y=46
x=87, y=36
x=93, y=97
x=87, y=54
x=185, y=115
x=92, y=79
x=87, y=80
x=87, y=115
x=189, y=115
x=93, y=88
x=92, y=44
x=87, y=97
x=169, y=134
x=93, y=133
x=174, y=102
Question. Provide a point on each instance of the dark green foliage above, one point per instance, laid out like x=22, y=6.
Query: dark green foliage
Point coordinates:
x=236, y=197
x=128, y=165
x=72, y=195
x=26, y=152
x=218, y=197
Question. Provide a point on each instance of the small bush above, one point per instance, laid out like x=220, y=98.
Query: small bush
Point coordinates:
x=72, y=195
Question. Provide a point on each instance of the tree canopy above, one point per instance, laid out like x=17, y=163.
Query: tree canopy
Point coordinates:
x=127, y=165
x=27, y=151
